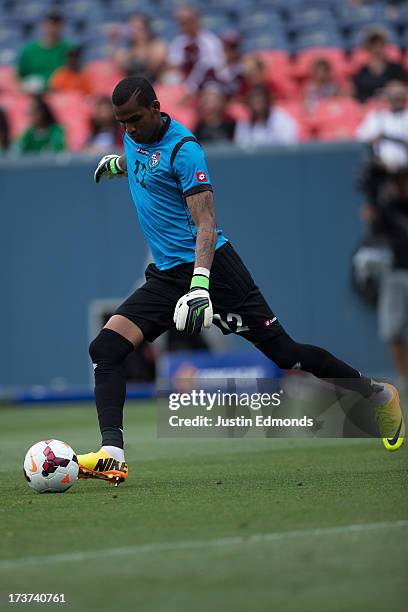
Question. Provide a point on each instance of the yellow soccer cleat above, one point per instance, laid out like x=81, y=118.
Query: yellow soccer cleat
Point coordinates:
x=102, y=466
x=390, y=421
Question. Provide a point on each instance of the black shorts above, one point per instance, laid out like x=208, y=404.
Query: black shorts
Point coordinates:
x=239, y=306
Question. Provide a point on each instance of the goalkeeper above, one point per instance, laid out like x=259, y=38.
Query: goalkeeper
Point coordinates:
x=197, y=278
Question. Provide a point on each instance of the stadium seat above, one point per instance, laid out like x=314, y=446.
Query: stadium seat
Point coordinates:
x=124, y=8
x=275, y=60
x=354, y=16
x=31, y=11
x=278, y=69
x=16, y=107
x=172, y=101
x=10, y=38
x=305, y=58
x=237, y=111
x=73, y=111
x=397, y=14
x=217, y=22
x=8, y=79
x=103, y=75
x=317, y=38
x=164, y=27
x=335, y=119
x=309, y=18
x=296, y=110
x=265, y=40
x=233, y=6
x=258, y=18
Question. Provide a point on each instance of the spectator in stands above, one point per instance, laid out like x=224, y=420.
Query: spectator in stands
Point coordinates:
x=214, y=124
x=386, y=130
x=39, y=59
x=197, y=53
x=378, y=71
x=255, y=76
x=144, y=54
x=389, y=221
x=4, y=132
x=71, y=76
x=320, y=85
x=105, y=132
x=268, y=124
x=44, y=134
x=232, y=73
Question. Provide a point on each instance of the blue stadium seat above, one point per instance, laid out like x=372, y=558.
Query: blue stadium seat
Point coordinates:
x=96, y=51
x=82, y=9
x=293, y=7
x=397, y=15
x=266, y=40
x=258, y=18
x=217, y=21
x=233, y=6
x=165, y=28
x=276, y=31
x=318, y=38
x=132, y=7
x=313, y=17
x=175, y=4
x=31, y=10
x=358, y=16
x=11, y=42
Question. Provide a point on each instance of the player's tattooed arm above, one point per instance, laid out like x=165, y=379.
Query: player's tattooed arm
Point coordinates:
x=201, y=207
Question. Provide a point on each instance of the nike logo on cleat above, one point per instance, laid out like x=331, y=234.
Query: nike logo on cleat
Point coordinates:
x=104, y=465
x=395, y=439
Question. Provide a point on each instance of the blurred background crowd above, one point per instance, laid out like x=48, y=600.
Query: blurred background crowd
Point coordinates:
x=245, y=72
x=242, y=71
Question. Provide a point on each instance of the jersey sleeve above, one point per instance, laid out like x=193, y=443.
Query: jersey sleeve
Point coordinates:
x=190, y=168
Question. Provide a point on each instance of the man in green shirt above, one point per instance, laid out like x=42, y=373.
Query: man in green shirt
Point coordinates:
x=39, y=59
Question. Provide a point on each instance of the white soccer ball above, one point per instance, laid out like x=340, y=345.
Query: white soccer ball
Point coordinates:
x=51, y=466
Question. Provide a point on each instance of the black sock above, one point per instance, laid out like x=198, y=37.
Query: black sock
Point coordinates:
x=288, y=354
x=108, y=352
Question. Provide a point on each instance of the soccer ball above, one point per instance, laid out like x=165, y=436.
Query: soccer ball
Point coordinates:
x=51, y=466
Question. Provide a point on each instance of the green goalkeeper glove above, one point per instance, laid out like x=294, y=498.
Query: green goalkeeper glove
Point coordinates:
x=194, y=310
x=109, y=166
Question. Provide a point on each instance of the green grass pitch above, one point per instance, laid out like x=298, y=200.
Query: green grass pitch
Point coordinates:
x=210, y=524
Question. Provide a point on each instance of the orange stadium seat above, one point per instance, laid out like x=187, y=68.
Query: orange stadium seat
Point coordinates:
x=237, y=111
x=335, y=119
x=16, y=106
x=296, y=109
x=8, y=79
x=73, y=111
x=173, y=101
x=275, y=61
x=103, y=75
x=279, y=72
x=304, y=60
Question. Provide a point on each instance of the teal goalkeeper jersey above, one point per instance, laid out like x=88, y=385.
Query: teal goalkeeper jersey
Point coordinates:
x=161, y=175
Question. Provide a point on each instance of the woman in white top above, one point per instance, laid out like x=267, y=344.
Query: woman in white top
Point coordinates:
x=267, y=123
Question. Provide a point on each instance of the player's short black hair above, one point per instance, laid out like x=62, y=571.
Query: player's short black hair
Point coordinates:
x=127, y=87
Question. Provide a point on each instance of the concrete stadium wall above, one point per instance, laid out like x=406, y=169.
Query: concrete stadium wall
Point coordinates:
x=291, y=213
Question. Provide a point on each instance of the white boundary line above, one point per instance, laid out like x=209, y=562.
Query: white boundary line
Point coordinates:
x=161, y=547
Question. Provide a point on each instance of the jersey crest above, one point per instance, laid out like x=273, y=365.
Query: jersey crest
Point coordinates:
x=154, y=160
